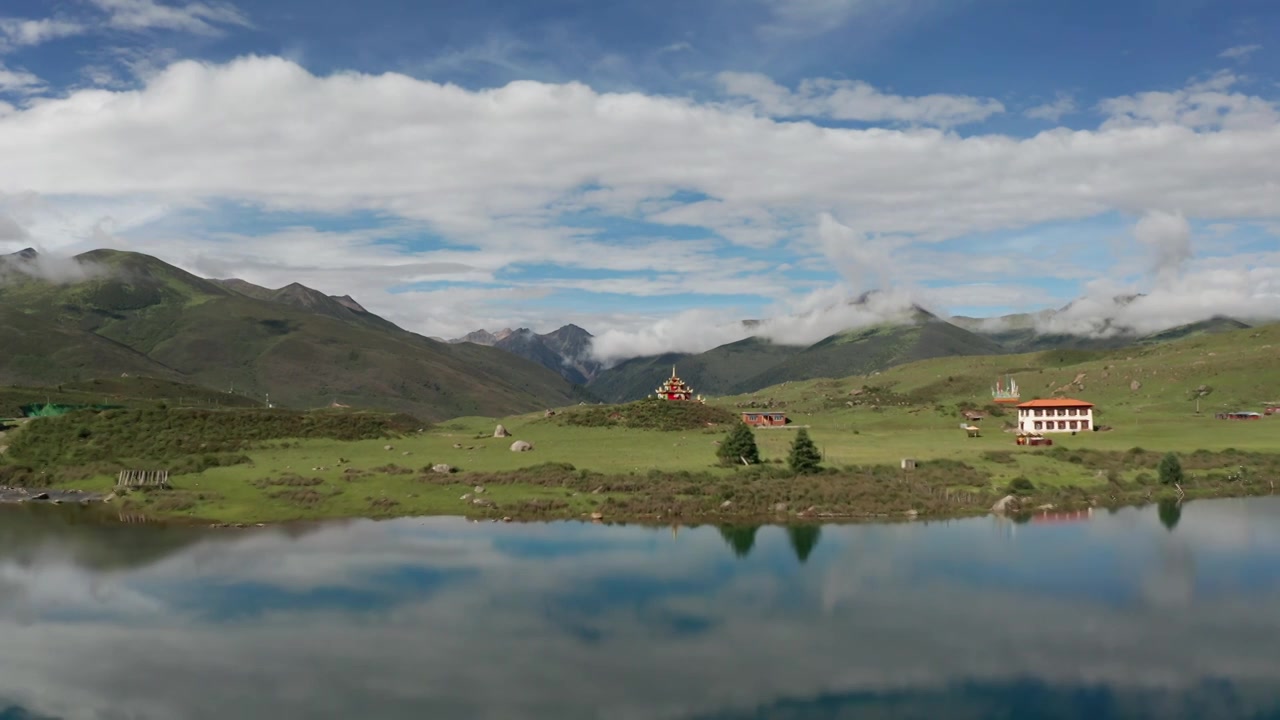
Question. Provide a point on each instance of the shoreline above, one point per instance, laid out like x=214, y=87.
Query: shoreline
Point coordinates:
x=1014, y=508
x=50, y=495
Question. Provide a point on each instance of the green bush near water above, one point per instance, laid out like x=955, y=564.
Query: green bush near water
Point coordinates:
x=86, y=443
x=1170, y=470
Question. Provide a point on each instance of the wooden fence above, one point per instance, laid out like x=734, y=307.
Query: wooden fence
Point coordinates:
x=143, y=478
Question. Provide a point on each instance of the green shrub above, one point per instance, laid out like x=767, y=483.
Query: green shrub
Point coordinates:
x=185, y=440
x=1004, y=457
x=1170, y=470
x=1020, y=486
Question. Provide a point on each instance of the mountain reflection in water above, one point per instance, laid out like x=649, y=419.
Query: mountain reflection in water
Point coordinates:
x=1157, y=612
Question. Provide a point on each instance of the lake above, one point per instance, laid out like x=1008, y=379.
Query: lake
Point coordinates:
x=1158, y=612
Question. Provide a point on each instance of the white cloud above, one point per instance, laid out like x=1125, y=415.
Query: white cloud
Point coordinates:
x=1204, y=104
x=1168, y=235
x=1246, y=293
x=202, y=18
x=11, y=230
x=19, y=32
x=797, y=18
x=804, y=321
x=1053, y=111
x=19, y=81
x=854, y=100
x=472, y=162
x=1239, y=52
x=681, y=46
x=691, y=331
x=492, y=170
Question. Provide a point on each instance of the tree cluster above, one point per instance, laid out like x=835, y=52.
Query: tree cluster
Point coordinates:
x=740, y=447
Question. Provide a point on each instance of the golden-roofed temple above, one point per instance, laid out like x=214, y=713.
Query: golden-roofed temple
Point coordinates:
x=675, y=389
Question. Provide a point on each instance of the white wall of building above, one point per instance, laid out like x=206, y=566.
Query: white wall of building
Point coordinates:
x=1063, y=419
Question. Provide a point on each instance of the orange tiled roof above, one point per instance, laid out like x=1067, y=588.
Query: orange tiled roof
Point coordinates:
x=1055, y=403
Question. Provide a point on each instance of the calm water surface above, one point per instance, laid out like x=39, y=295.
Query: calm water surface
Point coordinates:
x=1147, y=613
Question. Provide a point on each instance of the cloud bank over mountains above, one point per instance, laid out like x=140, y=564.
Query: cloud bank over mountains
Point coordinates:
x=470, y=191
x=1169, y=295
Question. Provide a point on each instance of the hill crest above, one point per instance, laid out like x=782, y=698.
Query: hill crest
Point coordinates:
x=132, y=313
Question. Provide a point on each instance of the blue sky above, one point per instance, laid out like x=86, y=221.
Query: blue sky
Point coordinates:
x=654, y=171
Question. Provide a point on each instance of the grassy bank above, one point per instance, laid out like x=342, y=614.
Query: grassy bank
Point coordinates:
x=657, y=462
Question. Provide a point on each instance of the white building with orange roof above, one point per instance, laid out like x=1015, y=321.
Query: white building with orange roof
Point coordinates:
x=1055, y=415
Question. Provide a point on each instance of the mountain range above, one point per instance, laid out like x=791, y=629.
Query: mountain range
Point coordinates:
x=567, y=350
x=756, y=362
x=107, y=312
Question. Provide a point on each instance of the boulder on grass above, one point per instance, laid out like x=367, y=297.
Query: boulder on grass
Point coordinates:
x=501, y=431
x=521, y=446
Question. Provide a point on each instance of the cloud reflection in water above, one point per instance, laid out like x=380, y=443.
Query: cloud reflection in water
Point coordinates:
x=443, y=618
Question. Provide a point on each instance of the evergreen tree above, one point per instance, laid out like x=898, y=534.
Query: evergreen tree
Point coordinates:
x=740, y=538
x=803, y=539
x=1170, y=470
x=804, y=458
x=738, y=446
x=1170, y=512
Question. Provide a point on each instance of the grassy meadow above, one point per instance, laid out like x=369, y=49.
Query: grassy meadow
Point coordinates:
x=606, y=460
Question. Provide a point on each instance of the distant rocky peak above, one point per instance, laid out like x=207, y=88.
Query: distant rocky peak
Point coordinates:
x=479, y=337
x=503, y=334
x=349, y=303
x=570, y=329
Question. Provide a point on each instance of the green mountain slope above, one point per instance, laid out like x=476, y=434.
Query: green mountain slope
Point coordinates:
x=1212, y=326
x=1231, y=370
x=128, y=391
x=755, y=363
x=1020, y=332
x=718, y=371
x=871, y=349
x=637, y=378
x=136, y=314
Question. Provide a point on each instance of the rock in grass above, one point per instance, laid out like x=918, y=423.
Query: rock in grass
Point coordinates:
x=1005, y=504
x=442, y=468
x=521, y=446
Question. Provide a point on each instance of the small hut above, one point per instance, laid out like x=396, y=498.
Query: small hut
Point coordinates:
x=1033, y=439
x=1239, y=415
x=765, y=419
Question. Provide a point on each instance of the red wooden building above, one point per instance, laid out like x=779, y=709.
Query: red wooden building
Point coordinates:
x=764, y=418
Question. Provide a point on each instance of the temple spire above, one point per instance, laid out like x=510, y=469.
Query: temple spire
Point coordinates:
x=675, y=389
